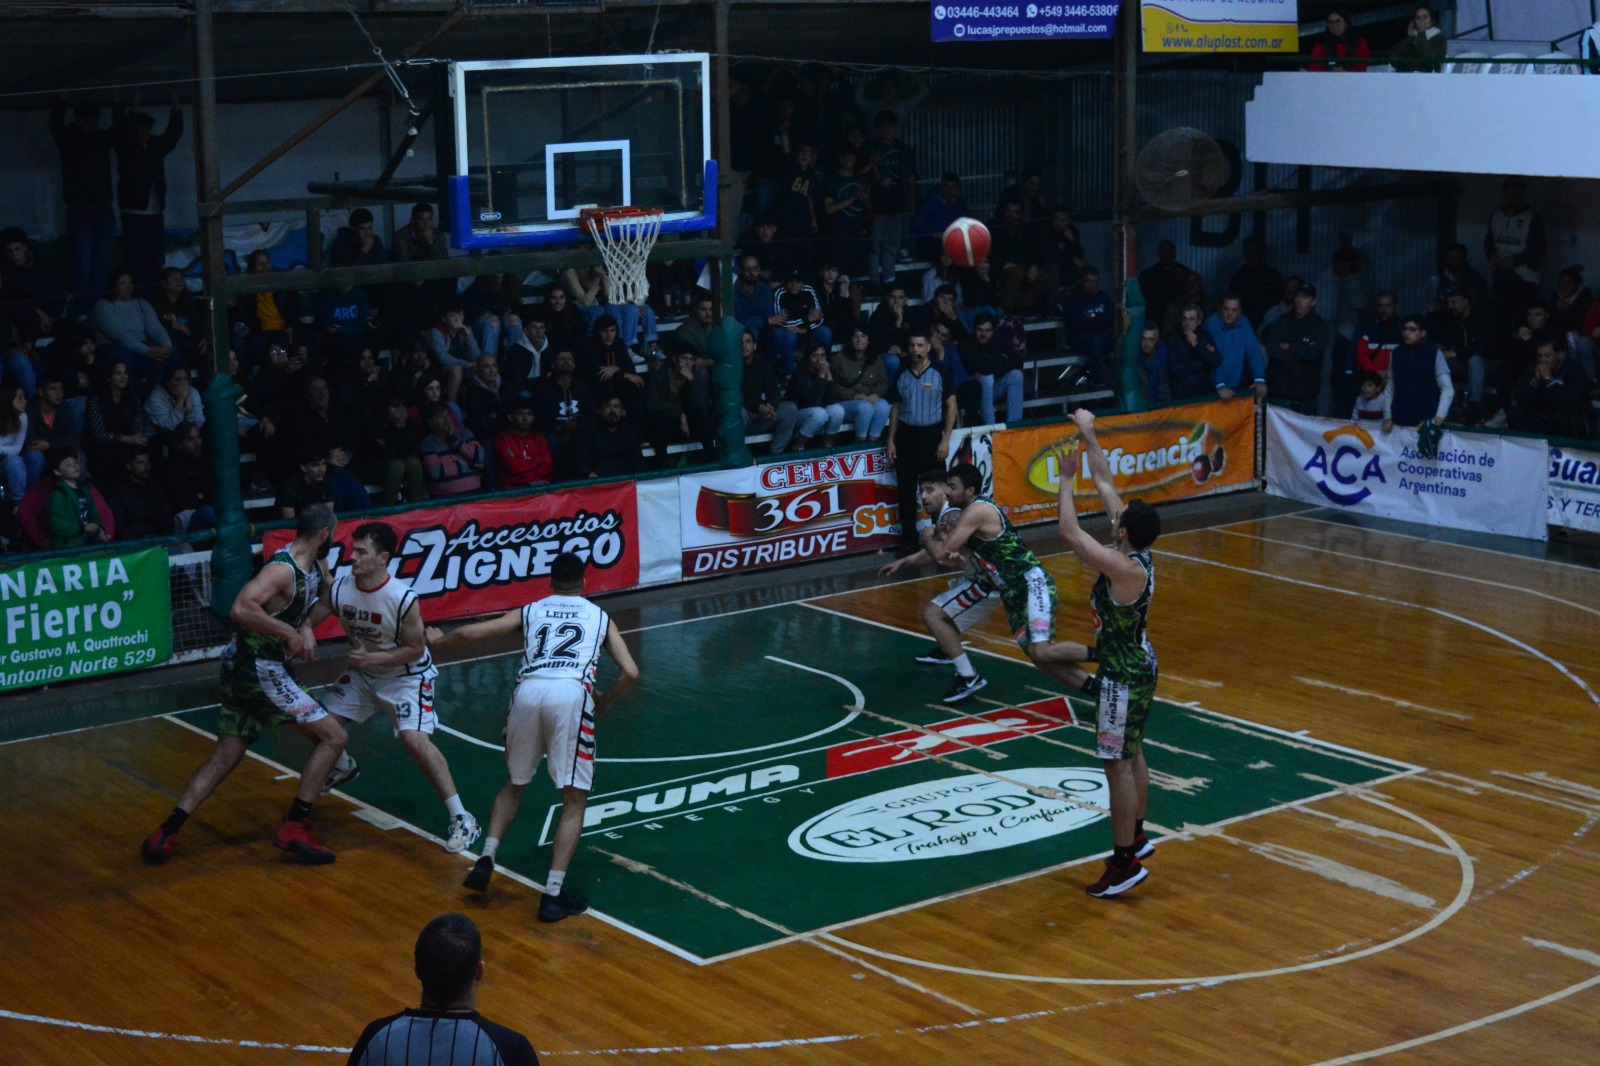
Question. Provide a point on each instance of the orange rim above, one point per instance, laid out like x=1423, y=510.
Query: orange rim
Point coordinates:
x=592, y=218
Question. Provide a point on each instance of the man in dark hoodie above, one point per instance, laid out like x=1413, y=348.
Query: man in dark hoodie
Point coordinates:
x=142, y=190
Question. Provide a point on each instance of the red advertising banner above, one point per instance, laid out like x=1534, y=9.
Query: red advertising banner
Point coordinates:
x=787, y=512
x=478, y=558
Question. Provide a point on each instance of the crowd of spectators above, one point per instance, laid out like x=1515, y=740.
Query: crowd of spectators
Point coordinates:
x=404, y=392
x=1496, y=351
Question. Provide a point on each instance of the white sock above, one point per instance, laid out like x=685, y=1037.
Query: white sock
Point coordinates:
x=963, y=665
x=553, y=883
x=455, y=806
x=346, y=762
x=490, y=846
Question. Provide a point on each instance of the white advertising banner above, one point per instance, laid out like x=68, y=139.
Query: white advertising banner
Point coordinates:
x=1575, y=489
x=787, y=511
x=660, y=560
x=1476, y=481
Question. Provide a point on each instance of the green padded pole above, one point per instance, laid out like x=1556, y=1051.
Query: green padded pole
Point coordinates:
x=727, y=376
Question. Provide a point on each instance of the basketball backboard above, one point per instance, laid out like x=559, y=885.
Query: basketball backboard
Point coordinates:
x=538, y=140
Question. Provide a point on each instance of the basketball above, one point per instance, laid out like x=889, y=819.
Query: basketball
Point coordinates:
x=966, y=242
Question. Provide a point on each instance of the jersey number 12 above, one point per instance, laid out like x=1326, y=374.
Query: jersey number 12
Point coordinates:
x=570, y=636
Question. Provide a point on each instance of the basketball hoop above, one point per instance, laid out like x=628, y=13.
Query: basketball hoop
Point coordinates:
x=624, y=236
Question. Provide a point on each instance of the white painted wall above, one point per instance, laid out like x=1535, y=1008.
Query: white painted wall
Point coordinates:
x=1526, y=20
x=1466, y=123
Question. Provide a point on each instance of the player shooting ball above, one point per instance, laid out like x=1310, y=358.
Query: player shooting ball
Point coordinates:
x=1120, y=604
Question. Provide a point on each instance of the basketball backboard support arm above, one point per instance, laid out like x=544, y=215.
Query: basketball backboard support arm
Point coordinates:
x=462, y=236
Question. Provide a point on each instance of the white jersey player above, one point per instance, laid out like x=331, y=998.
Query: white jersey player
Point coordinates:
x=971, y=597
x=390, y=669
x=552, y=716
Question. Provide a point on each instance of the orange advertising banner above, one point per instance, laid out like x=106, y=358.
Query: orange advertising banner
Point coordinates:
x=1172, y=454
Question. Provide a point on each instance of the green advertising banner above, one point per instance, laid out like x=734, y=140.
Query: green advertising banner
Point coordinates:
x=84, y=616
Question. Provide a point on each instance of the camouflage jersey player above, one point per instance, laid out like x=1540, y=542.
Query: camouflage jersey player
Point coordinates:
x=274, y=615
x=1028, y=591
x=1121, y=604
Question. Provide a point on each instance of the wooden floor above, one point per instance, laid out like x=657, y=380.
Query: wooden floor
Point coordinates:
x=1445, y=917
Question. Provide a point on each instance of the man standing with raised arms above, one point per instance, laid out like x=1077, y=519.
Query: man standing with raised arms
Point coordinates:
x=390, y=669
x=1027, y=589
x=552, y=715
x=273, y=617
x=1120, y=603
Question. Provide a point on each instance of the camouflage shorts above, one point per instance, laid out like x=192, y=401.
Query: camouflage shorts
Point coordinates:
x=1031, y=607
x=1121, y=715
x=260, y=694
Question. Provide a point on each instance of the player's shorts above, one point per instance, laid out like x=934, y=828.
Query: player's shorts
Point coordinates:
x=407, y=700
x=262, y=694
x=968, y=602
x=551, y=719
x=1120, y=718
x=1031, y=607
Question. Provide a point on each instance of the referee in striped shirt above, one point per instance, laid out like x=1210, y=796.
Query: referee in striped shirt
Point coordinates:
x=447, y=1029
x=921, y=418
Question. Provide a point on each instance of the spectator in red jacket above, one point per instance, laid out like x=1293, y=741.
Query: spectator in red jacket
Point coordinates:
x=1341, y=49
x=521, y=456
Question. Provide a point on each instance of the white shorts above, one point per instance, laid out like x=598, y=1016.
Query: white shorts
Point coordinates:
x=551, y=718
x=968, y=602
x=407, y=700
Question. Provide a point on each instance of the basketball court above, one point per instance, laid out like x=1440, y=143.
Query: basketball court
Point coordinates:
x=1373, y=804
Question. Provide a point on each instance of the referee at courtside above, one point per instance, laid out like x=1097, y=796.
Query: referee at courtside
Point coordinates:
x=447, y=1029
x=921, y=419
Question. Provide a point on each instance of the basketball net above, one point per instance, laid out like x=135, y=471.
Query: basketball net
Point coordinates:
x=624, y=236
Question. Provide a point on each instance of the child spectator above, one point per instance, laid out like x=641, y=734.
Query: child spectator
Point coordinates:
x=73, y=515
x=1372, y=404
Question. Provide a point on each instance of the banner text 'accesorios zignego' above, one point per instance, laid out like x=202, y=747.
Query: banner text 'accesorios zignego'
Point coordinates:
x=482, y=557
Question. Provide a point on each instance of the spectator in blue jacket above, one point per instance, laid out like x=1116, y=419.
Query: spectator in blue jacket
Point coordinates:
x=1154, y=360
x=1239, y=348
x=1192, y=357
x=752, y=296
x=345, y=317
x=942, y=206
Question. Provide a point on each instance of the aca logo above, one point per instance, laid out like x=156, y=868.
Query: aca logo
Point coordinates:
x=1349, y=468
